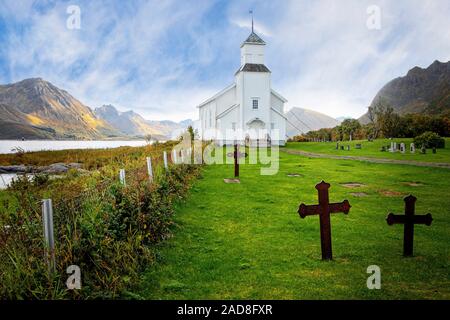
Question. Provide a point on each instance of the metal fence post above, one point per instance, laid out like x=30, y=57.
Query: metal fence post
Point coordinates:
x=149, y=169
x=165, y=160
x=122, y=176
x=174, y=156
x=49, y=240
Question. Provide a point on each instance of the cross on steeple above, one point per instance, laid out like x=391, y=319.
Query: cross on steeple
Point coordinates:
x=251, y=12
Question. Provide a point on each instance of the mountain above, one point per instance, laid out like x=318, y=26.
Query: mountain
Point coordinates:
x=171, y=129
x=420, y=91
x=304, y=120
x=131, y=123
x=128, y=123
x=36, y=109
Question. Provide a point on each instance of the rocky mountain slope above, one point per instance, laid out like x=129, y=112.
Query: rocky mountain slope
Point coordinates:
x=420, y=91
x=303, y=120
x=131, y=123
x=36, y=109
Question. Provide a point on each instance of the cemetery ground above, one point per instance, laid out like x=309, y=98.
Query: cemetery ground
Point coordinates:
x=246, y=241
x=372, y=150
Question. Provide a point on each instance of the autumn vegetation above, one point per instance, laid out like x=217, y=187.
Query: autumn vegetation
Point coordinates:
x=108, y=229
x=384, y=122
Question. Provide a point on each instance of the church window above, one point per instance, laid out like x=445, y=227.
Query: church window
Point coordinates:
x=233, y=125
x=255, y=104
x=272, y=126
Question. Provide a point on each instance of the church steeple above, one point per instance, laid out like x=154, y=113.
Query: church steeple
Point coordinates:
x=253, y=38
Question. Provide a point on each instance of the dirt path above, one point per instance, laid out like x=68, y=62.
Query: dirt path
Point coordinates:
x=368, y=159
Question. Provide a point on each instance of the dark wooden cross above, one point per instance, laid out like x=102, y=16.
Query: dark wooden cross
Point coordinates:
x=409, y=220
x=324, y=209
x=236, y=155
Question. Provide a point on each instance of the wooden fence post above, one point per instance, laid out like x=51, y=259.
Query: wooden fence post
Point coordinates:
x=49, y=240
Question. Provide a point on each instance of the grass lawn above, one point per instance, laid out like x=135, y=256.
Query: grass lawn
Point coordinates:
x=246, y=241
x=372, y=149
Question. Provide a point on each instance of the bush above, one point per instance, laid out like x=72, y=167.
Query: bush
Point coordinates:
x=107, y=229
x=300, y=138
x=429, y=140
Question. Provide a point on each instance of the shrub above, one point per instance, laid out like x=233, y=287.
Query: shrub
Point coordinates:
x=429, y=140
x=107, y=229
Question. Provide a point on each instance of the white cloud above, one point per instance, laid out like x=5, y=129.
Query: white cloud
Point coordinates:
x=258, y=27
x=162, y=58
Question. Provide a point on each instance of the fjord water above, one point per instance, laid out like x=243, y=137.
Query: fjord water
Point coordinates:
x=7, y=146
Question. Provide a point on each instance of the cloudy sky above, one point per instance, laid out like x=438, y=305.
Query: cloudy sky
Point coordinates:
x=162, y=58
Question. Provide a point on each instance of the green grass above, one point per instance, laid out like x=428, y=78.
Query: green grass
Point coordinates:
x=372, y=149
x=246, y=241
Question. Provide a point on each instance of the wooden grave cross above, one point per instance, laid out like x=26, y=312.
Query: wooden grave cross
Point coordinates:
x=236, y=155
x=409, y=220
x=324, y=209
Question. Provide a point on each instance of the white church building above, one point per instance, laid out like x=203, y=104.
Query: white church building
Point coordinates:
x=249, y=107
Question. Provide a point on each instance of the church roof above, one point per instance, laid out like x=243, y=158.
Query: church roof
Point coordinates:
x=253, y=67
x=254, y=39
x=231, y=86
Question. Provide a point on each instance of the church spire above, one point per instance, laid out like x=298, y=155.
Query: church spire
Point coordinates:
x=253, y=38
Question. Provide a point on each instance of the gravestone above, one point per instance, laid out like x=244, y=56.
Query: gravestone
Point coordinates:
x=412, y=148
x=337, y=145
x=342, y=147
x=423, y=150
x=383, y=149
x=358, y=146
x=324, y=209
x=402, y=147
x=348, y=147
x=409, y=220
x=434, y=150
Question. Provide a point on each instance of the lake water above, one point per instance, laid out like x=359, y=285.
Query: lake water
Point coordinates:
x=7, y=146
x=6, y=179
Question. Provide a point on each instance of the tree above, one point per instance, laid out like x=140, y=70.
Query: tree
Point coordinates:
x=349, y=127
x=386, y=119
x=191, y=131
x=148, y=138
